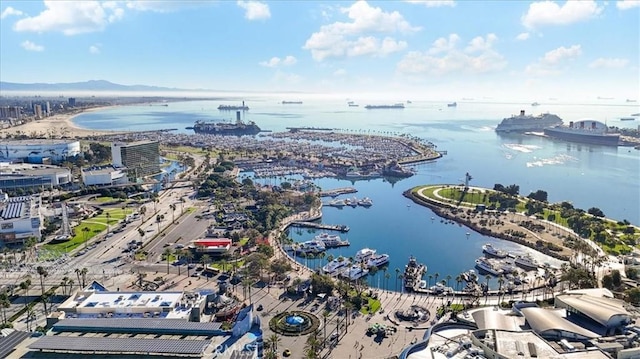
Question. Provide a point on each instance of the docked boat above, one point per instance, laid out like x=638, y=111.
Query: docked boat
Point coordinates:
x=363, y=255
x=365, y=202
x=584, y=131
x=355, y=272
x=413, y=272
x=526, y=262
x=313, y=246
x=494, y=252
x=376, y=107
x=486, y=266
x=507, y=267
x=338, y=202
x=528, y=123
x=378, y=260
x=331, y=240
x=334, y=266
x=470, y=276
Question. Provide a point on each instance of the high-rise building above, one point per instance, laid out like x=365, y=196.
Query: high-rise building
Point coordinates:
x=37, y=111
x=10, y=112
x=140, y=158
x=72, y=102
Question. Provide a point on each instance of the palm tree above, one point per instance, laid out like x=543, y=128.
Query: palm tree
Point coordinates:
x=397, y=276
x=325, y=315
x=436, y=275
x=83, y=274
x=167, y=256
x=173, y=212
x=429, y=283
x=108, y=222
x=188, y=256
x=500, y=283
x=63, y=283
x=4, y=304
x=77, y=270
x=42, y=273
x=85, y=232
x=486, y=295
x=448, y=279
x=246, y=285
x=25, y=286
x=143, y=211
x=273, y=341
x=178, y=254
x=387, y=276
x=205, y=260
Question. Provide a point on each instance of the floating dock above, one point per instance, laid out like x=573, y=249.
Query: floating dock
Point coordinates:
x=329, y=227
x=338, y=191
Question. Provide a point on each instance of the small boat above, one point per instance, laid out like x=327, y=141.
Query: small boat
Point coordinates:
x=337, y=202
x=453, y=104
x=365, y=202
x=526, y=262
x=627, y=119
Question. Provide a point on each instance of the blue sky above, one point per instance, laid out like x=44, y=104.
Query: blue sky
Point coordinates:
x=517, y=49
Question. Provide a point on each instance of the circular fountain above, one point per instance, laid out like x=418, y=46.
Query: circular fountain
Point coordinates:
x=294, y=323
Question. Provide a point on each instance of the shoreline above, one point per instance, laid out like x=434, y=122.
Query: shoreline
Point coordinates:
x=59, y=126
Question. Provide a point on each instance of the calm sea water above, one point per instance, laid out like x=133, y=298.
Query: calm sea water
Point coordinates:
x=586, y=175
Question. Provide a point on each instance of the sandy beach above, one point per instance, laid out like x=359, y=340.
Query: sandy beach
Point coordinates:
x=56, y=126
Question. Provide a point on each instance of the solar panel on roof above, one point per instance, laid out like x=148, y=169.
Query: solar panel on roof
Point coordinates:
x=119, y=345
x=138, y=325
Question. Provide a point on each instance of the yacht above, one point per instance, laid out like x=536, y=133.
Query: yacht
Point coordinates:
x=335, y=265
x=356, y=272
x=378, y=260
x=365, y=202
x=486, y=266
x=337, y=202
x=508, y=267
x=331, y=240
x=313, y=246
x=364, y=255
x=526, y=262
x=490, y=250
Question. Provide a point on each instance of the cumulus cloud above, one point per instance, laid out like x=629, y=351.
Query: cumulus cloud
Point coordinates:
x=549, y=13
x=94, y=49
x=255, y=10
x=445, y=56
x=433, y=3
x=627, y=4
x=553, y=61
x=340, y=73
x=276, y=61
x=356, y=37
x=608, y=63
x=72, y=17
x=162, y=5
x=9, y=11
x=523, y=36
x=30, y=46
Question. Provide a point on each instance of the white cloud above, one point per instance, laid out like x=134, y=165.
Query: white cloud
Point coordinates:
x=523, y=36
x=609, y=63
x=94, y=49
x=553, y=61
x=550, y=13
x=30, y=46
x=433, y=3
x=255, y=10
x=276, y=61
x=72, y=17
x=9, y=11
x=444, y=57
x=355, y=38
x=340, y=73
x=627, y=4
x=162, y=5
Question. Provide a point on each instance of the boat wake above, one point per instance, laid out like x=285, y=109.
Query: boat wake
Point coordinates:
x=521, y=148
x=553, y=161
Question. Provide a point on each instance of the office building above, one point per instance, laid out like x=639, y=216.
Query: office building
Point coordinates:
x=141, y=159
x=20, y=219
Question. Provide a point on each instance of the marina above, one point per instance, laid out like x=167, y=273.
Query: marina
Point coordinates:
x=329, y=227
x=338, y=191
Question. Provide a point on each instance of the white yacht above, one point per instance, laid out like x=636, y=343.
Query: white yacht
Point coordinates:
x=508, y=267
x=356, y=272
x=331, y=240
x=492, y=251
x=337, y=202
x=365, y=202
x=364, y=254
x=378, y=260
x=484, y=265
x=527, y=262
x=313, y=246
x=335, y=265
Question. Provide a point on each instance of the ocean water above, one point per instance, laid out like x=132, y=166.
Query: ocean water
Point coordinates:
x=586, y=175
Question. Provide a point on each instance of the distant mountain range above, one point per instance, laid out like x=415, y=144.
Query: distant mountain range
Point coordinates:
x=92, y=85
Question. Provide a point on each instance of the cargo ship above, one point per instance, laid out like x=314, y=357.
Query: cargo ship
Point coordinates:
x=528, y=123
x=375, y=107
x=584, y=131
x=233, y=107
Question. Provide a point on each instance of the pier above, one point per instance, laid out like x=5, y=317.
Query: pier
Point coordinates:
x=329, y=227
x=338, y=191
x=296, y=129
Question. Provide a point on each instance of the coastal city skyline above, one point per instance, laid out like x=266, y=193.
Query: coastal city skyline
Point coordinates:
x=565, y=50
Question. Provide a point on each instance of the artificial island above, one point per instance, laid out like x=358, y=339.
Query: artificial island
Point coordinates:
x=188, y=257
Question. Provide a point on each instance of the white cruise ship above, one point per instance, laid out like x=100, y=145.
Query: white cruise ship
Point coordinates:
x=527, y=123
x=355, y=272
x=335, y=265
x=378, y=260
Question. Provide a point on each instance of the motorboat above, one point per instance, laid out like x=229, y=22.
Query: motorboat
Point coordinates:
x=331, y=240
x=378, y=260
x=492, y=251
x=486, y=266
x=364, y=255
x=356, y=272
x=365, y=202
x=335, y=265
x=526, y=262
x=338, y=202
x=312, y=246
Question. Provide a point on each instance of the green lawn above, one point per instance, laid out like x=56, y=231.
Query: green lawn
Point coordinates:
x=79, y=237
x=372, y=306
